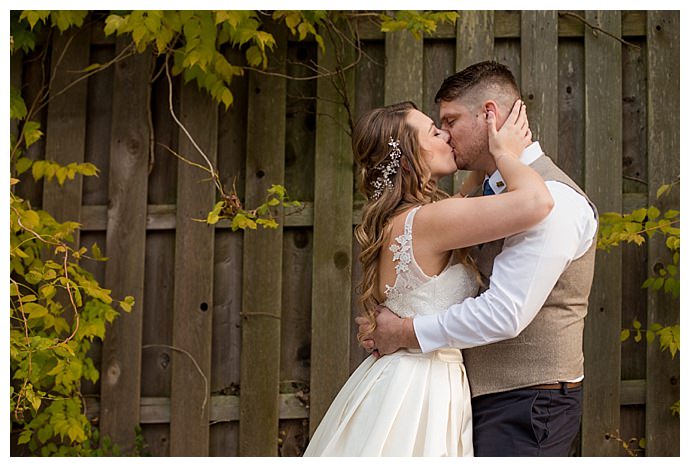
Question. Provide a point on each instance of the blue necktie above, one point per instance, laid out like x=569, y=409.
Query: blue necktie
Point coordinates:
x=487, y=188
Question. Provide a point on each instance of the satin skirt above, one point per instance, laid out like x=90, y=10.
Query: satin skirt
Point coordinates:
x=403, y=404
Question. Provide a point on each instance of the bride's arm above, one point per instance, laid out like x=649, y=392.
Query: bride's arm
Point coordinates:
x=460, y=222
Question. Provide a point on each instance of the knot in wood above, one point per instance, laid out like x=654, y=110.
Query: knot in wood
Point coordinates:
x=341, y=259
x=113, y=374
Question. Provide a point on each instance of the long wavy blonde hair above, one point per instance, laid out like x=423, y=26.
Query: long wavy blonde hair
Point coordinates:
x=411, y=186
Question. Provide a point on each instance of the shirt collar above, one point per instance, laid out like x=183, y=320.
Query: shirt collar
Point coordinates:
x=530, y=154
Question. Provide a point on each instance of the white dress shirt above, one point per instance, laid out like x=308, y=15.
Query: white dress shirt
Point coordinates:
x=523, y=276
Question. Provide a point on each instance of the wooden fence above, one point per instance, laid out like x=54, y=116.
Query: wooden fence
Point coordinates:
x=239, y=341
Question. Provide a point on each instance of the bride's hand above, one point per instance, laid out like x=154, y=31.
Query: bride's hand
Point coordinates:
x=514, y=136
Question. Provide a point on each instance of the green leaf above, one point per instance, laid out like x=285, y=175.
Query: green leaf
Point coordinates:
x=127, y=303
x=663, y=189
x=23, y=164
x=47, y=291
x=638, y=336
x=241, y=221
x=31, y=132
x=214, y=216
x=639, y=214
x=650, y=336
x=113, y=24
x=93, y=66
x=254, y=56
x=35, y=311
x=17, y=106
x=636, y=324
x=25, y=436
x=653, y=213
x=267, y=223
x=625, y=334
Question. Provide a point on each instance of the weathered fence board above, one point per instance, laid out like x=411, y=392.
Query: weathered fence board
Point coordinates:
x=404, y=62
x=330, y=298
x=126, y=241
x=571, y=108
x=603, y=168
x=262, y=265
x=193, y=305
x=66, y=127
x=539, y=76
x=663, y=74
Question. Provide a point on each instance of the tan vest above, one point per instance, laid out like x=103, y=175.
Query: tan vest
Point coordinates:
x=550, y=348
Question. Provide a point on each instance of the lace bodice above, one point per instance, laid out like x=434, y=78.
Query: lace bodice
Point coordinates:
x=415, y=293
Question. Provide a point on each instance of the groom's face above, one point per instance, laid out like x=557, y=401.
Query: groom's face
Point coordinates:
x=467, y=128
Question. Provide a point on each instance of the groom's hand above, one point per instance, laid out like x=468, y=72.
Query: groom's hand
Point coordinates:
x=388, y=333
x=367, y=342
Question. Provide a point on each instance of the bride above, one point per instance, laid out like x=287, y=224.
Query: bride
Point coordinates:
x=415, y=260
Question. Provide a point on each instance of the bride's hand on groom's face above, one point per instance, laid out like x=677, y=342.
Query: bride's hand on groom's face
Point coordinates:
x=513, y=136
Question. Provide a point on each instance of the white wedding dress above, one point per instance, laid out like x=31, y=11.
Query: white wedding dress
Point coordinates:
x=407, y=403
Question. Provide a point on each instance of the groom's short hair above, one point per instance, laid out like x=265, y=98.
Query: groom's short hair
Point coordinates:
x=480, y=76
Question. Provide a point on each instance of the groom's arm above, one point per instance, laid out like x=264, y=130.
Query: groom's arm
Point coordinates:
x=523, y=276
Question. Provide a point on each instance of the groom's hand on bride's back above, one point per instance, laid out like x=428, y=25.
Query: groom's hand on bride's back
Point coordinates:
x=387, y=337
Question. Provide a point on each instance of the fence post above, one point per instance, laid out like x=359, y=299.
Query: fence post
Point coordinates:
x=332, y=257
x=603, y=183
x=263, y=263
x=663, y=143
x=190, y=396
x=126, y=246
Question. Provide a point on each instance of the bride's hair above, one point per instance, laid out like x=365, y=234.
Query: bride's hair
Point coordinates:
x=410, y=185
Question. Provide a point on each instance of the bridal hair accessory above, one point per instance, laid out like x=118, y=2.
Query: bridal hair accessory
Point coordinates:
x=383, y=180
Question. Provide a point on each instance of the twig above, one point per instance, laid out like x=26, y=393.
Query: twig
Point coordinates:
x=597, y=28
x=198, y=368
x=212, y=169
x=182, y=158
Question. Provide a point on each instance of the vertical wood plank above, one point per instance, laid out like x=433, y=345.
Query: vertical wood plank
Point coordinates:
x=126, y=242
x=227, y=292
x=571, y=108
x=332, y=260
x=159, y=282
x=193, y=294
x=474, y=42
x=603, y=183
x=32, y=85
x=66, y=126
x=663, y=373
x=262, y=263
x=99, y=111
x=404, y=68
x=539, y=71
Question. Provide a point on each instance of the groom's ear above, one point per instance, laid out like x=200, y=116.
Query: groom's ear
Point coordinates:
x=491, y=106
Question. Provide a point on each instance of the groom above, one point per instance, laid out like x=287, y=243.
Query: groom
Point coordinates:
x=522, y=337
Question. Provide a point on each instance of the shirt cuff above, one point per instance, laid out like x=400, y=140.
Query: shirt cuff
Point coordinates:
x=429, y=331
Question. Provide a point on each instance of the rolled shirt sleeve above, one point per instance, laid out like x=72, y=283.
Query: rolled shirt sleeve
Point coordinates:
x=524, y=273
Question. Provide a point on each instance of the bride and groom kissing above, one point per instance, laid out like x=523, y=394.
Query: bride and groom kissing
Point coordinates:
x=473, y=305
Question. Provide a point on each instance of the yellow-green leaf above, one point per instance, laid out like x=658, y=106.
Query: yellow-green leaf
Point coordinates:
x=31, y=132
